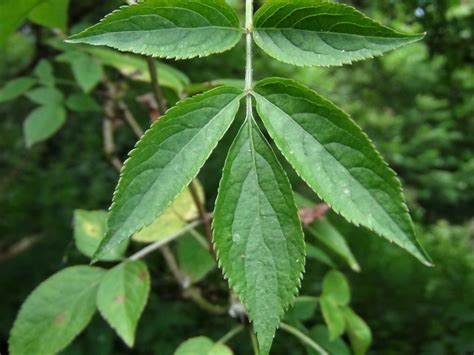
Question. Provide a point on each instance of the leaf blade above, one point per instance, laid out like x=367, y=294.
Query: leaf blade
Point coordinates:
x=337, y=160
x=173, y=29
x=165, y=161
x=322, y=33
x=42, y=123
x=257, y=232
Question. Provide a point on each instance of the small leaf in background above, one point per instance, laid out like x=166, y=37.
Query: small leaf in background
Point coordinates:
x=313, y=252
x=333, y=316
x=302, y=309
x=46, y=96
x=12, y=14
x=336, y=287
x=56, y=311
x=89, y=230
x=122, y=296
x=15, y=88
x=51, y=13
x=337, y=160
x=166, y=159
x=202, y=346
x=320, y=335
x=359, y=332
x=42, y=123
x=87, y=71
x=186, y=29
x=195, y=259
x=81, y=102
x=322, y=33
x=182, y=210
x=257, y=233
x=44, y=72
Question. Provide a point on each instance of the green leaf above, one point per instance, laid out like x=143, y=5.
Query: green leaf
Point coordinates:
x=302, y=310
x=337, y=160
x=333, y=316
x=168, y=29
x=15, y=88
x=257, y=233
x=359, y=332
x=80, y=102
x=320, y=334
x=42, y=123
x=319, y=255
x=51, y=13
x=122, y=296
x=336, y=287
x=194, y=257
x=322, y=33
x=166, y=160
x=44, y=73
x=87, y=70
x=12, y=14
x=176, y=216
x=202, y=346
x=46, y=96
x=89, y=230
x=56, y=311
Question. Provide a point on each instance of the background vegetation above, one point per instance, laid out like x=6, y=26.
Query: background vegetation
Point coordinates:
x=417, y=104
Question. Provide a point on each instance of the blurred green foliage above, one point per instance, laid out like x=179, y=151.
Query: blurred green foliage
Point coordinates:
x=417, y=104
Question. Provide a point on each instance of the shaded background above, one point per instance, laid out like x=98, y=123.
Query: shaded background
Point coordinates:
x=416, y=104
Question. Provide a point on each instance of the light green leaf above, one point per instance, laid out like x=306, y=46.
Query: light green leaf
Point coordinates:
x=257, y=233
x=322, y=33
x=80, y=102
x=122, y=296
x=202, y=346
x=87, y=70
x=337, y=160
x=51, y=13
x=56, y=311
x=194, y=257
x=176, y=216
x=319, y=255
x=15, y=88
x=42, y=123
x=12, y=14
x=46, y=96
x=359, y=332
x=44, y=73
x=336, y=287
x=166, y=159
x=167, y=28
x=333, y=316
x=89, y=230
x=320, y=334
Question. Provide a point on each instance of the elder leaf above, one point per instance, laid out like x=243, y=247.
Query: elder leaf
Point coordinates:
x=257, y=233
x=167, y=28
x=166, y=159
x=337, y=160
x=322, y=33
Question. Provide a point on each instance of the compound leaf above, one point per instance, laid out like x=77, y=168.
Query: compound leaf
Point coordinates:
x=257, y=233
x=167, y=28
x=337, y=160
x=15, y=88
x=43, y=122
x=166, y=159
x=46, y=96
x=122, y=296
x=322, y=33
x=56, y=311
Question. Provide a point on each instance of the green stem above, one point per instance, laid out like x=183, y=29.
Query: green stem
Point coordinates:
x=253, y=338
x=303, y=338
x=233, y=332
x=249, y=49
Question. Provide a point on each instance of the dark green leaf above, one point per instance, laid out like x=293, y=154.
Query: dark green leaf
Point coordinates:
x=81, y=102
x=163, y=28
x=42, y=123
x=320, y=334
x=337, y=160
x=122, y=296
x=322, y=33
x=257, y=233
x=56, y=311
x=166, y=159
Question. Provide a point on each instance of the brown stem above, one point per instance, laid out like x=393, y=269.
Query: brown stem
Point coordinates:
x=130, y=119
x=203, y=214
x=157, y=92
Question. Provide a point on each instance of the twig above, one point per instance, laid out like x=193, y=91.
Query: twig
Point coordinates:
x=303, y=338
x=174, y=267
x=109, y=144
x=232, y=333
x=195, y=295
x=19, y=247
x=203, y=214
x=130, y=119
x=157, y=92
